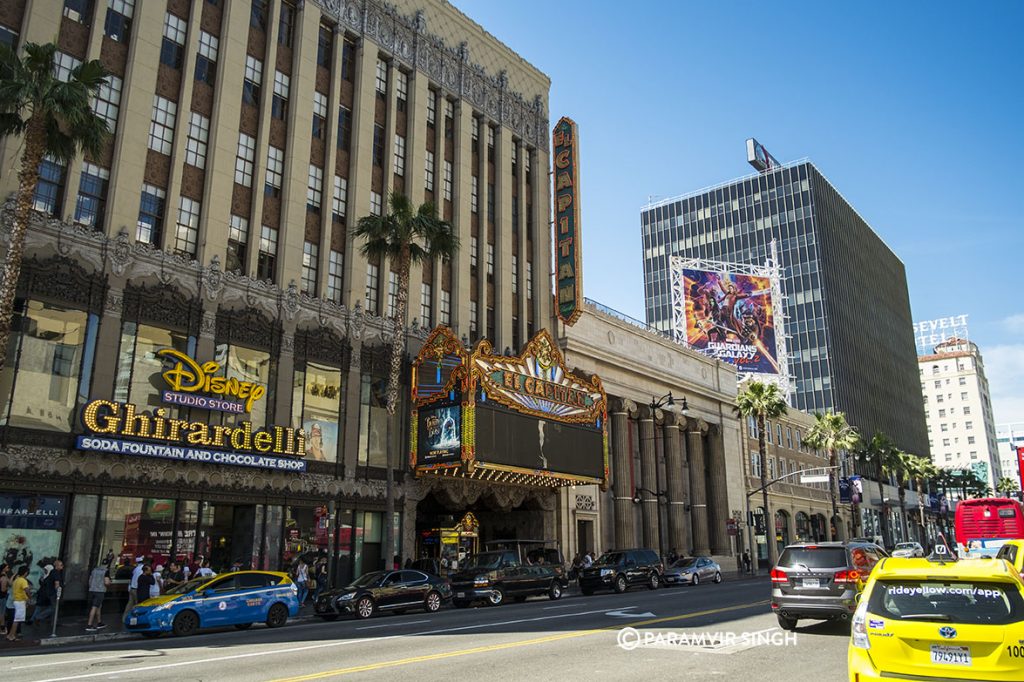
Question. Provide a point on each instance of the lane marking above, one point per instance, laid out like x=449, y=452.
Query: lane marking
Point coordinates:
x=392, y=625
x=560, y=606
x=511, y=645
x=76, y=660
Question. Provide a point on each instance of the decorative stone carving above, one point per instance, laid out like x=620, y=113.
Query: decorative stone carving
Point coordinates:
x=62, y=279
x=113, y=304
x=290, y=301
x=621, y=405
x=213, y=279
x=585, y=502
x=120, y=253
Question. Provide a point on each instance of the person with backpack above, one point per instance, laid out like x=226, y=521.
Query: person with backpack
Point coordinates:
x=99, y=581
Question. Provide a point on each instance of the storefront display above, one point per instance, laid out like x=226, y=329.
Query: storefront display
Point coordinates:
x=31, y=527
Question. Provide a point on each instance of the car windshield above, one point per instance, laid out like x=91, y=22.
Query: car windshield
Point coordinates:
x=967, y=602
x=813, y=557
x=906, y=545
x=187, y=587
x=610, y=558
x=485, y=560
x=684, y=563
x=368, y=579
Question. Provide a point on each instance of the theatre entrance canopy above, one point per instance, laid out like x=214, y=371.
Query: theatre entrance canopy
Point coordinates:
x=523, y=420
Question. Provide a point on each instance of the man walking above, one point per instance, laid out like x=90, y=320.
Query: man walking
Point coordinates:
x=49, y=592
x=99, y=581
x=746, y=561
x=21, y=591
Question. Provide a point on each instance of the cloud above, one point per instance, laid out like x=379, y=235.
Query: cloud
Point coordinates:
x=1014, y=323
x=1004, y=368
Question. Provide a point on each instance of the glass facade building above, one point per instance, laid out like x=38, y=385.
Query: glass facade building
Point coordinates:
x=851, y=345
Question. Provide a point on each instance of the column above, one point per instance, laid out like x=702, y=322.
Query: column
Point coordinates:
x=648, y=478
x=718, y=494
x=698, y=493
x=621, y=454
x=674, y=483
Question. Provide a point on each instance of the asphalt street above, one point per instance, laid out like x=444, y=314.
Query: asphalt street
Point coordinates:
x=710, y=631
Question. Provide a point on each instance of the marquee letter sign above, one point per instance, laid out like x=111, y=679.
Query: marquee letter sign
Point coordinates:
x=568, y=248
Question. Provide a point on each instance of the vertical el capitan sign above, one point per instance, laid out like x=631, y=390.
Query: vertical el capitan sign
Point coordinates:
x=568, y=247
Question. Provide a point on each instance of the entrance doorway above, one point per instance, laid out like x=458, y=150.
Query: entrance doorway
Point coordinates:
x=584, y=536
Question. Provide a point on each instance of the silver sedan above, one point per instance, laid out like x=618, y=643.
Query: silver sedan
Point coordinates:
x=693, y=571
x=908, y=549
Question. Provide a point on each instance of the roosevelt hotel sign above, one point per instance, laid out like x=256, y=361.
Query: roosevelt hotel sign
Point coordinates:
x=931, y=333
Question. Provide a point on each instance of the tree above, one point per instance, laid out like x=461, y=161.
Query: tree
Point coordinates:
x=403, y=236
x=920, y=469
x=1005, y=486
x=878, y=453
x=762, y=402
x=57, y=121
x=831, y=433
x=899, y=466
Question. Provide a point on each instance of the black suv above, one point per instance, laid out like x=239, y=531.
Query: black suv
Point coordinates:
x=620, y=569
x=494, y=576
x=821, y=580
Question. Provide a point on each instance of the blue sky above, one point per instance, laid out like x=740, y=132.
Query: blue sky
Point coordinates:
x=913, y=110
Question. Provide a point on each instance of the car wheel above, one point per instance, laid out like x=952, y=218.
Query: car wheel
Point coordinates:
x=432, y=603
x=586, y=592
x=654, y=582
x=330, y=616
x=786, y=623
x=277, y=616
x=364, y=608
x=185, y=623
x=497, y=597
x=243, y=626
x=150, y=635
x=718, y=577
x=556, y=591
x=696, y=580
x=620, y=584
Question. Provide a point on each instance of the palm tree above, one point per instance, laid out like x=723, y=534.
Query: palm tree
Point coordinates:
x=878, y=452
x=1005, y=486
x=762, y=401
x=56, y=119
x=900, y=470
x=831, y=433
x=403, y=236
x=920, y=469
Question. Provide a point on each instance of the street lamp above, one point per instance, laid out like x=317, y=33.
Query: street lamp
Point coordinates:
x=668, y=401
x=637, y=499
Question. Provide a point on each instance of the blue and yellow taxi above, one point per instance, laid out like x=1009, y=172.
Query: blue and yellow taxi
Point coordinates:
x=239, y=599
x=937, y=618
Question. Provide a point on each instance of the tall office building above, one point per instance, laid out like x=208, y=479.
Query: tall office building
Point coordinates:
x=961, y=428
x=851, y=347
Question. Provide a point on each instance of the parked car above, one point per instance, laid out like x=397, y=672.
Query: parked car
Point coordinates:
x=908, y=550
x=620, y=569
x=394, y=591
x=238, y=599
x=821, y=580
x=535, y=553
x=693, y=571
x=493, y=577
x=939, y=619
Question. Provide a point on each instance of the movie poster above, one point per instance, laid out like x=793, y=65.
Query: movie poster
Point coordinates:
x=440, y=435
x=731, y=318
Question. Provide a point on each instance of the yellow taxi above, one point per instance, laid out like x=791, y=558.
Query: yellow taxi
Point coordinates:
x=939, y=619
x=1013, y=552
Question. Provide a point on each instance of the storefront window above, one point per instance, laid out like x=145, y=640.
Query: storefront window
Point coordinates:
x=247, y=364
x=185, y=539
x=131, y=527
x=139, y=367
x=44, y=363
x=803, y=527
x=316, y=409
x=306, y=533
x=368, y=542
x=373, y=422
x=343, y=567
x=31, y=527
x=230, y=533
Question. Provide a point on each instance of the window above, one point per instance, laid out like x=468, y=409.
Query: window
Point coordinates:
x=378, y=146
x=195, y=144
x=315, y=189
x=92, y=196
x=490, y=202
x=778, y=434
x=245, y=160
x=449, y=119
x=286, y=25
x=474, y=248
x=258, y=14
x=161, y=128
x=968, y=425
x=942, y=413
x=268, y=253
x=319, y=115
x=431, y=107
x=376, y=203
x=335, y=275
x=970, y=440
x=490, y=144
x=253, y=80
x=206, y=60
x=399, y=155
x=8, y=37
x=474, y=320
x=938, y=399
x=426, y=305
x=172, y=49
x=63, y=65
x=344, y=128
x=529, y=279
x=755, y=464
x=392, y=293
x=107, y=103
x=340, y=198
x=490, y=261
x=447, y=191
x=151, y=215
x=49, y=196
x=474, y=194
x=348, y=60
x=382, y=77
x=282, y=84
x=963, y=395
x=446, y=307
x=938, y=384
x=275, y=171
x=963, y=381
x=118, y=23
x=429, y=169
x=324, y=46
x=309, y=265
x=967, y=410
x=238, y=237
x=945, y=442
x=373, y=421
x=944, y=427
x=372, y=288
x=78, y=10
x=316, y=408
x=186, y=235
x=401, y=89
x=515, y=274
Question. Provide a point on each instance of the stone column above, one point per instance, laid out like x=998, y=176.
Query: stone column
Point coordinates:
x=621, y=455
x=695, y=430
x=718, y=493
x=648, y=477
x=674, y=484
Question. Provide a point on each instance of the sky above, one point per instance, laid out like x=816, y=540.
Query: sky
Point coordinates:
x=913, y=110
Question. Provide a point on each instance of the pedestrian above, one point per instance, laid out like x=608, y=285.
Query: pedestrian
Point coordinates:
x=49, y=591
x=144, y=586
x=5, y=586
x=205, y=571
x=746, y=561
x=158, y=583
x=586, y=561
x=408, y=562
x=21, y=590
x=320, y=575
x=174, y=576
x=99, y=581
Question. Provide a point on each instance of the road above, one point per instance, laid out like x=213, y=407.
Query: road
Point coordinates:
x=574, y=638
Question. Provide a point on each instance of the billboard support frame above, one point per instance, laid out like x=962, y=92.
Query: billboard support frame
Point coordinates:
x=772, y=271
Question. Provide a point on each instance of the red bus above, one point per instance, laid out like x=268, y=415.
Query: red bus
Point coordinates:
x=982, y=526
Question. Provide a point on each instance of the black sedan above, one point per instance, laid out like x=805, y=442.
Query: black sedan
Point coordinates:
x=394, y=591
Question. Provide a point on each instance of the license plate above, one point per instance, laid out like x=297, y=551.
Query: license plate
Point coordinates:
x=951, y=655
x=812, y=582
x=133, y=621
x=460, y=595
